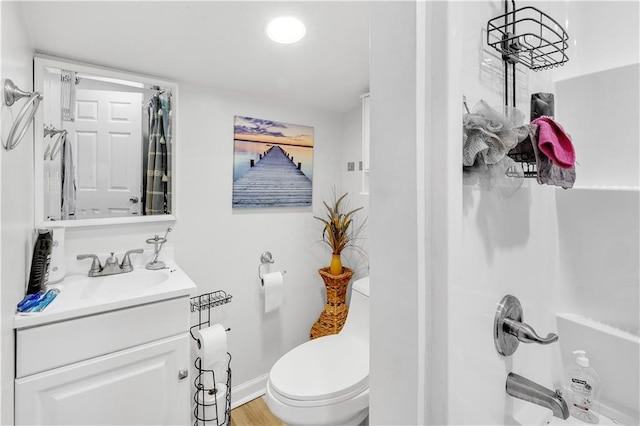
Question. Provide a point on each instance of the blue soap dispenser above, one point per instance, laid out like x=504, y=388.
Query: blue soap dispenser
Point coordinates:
x=582, y=389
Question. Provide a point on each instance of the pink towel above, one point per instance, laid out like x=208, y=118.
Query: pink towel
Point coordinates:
x=555, y=143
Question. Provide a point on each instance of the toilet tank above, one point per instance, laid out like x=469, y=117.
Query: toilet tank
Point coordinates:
x=357, y=324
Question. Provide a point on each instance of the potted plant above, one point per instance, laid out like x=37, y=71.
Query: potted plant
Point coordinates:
x=339, y=231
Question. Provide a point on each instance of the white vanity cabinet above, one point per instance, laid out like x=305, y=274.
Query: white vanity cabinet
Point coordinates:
x=122, y=367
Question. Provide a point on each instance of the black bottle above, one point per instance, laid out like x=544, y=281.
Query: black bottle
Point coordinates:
x=40, y=261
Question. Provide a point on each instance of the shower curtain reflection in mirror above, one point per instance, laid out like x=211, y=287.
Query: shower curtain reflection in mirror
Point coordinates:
x=158, y=164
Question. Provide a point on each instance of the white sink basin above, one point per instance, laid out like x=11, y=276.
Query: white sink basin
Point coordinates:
x=81, y=295
x=113, y=286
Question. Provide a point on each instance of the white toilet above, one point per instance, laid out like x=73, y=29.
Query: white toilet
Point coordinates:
x=326, y=381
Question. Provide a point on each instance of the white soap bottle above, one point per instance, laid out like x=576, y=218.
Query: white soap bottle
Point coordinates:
x=582, y=389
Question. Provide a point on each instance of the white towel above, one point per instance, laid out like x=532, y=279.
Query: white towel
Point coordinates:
x=68, y=181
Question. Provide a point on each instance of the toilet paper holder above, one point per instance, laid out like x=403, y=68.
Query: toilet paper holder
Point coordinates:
x=265, y=258
x=216, y=413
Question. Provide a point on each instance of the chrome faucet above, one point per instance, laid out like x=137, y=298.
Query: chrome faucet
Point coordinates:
x=527, y=390
x=111, y=265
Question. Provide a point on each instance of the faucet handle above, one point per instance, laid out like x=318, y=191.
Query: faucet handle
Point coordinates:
x=111, y=260
x=526, y=334
x=95, y=265
x=126, y=260
x=509, y=330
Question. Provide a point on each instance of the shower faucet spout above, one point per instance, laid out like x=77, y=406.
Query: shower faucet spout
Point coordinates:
x=527, y=390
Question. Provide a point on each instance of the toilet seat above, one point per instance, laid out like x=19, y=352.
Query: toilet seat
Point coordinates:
x=356, y=394
x=323, y=371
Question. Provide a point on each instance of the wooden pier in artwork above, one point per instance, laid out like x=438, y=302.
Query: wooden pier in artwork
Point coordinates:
x=273, y=181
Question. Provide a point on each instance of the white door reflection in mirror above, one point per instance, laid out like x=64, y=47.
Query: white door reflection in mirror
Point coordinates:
x=108, y=183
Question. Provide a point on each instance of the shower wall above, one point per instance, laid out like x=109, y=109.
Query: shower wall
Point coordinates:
x=598, y=258
x=556, y=250
x=598, y=265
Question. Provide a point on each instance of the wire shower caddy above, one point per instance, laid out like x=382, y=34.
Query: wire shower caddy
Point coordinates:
x=202, y=411
x=529, y=37
x=532, y=38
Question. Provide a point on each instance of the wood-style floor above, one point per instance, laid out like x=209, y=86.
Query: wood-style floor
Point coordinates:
x=254, y=413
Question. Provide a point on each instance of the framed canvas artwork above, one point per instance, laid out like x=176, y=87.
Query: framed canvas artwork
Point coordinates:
x=272, y=164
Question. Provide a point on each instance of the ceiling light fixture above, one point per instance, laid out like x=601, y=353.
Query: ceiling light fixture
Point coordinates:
x=286, y=30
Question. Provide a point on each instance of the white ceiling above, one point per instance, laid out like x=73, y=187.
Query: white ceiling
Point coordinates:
x=219, y=44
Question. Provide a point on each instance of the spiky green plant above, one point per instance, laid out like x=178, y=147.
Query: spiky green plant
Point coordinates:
x=339, y=231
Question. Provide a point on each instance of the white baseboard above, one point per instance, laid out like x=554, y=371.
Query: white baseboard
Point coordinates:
x=248, y=391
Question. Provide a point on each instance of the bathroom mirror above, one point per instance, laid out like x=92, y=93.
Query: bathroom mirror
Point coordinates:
x=104, y=146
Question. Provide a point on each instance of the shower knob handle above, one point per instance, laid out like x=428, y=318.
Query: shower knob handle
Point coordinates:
x=509, y=330
x=526, y=334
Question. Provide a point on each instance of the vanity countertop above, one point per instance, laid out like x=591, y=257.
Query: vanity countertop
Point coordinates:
x=82, y=296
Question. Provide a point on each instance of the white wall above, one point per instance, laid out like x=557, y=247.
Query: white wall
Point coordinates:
x=17, y=204
x=614, y=44
x=351, y=182
x=394, y=217
x=608, y=149
x=598, y=265
x=598, y=219
x=218, y=247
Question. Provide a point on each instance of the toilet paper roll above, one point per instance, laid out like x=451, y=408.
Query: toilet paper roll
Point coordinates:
x=273, y=291
x=211, y=345
x=213, y=374
x=212, y=406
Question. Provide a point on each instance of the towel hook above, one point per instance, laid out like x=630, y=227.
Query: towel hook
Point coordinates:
x=51, y=151
x=264, y=259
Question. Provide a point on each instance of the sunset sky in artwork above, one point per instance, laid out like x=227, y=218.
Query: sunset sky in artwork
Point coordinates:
x=269, y=131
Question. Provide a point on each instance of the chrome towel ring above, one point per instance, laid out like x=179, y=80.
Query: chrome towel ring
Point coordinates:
x=20, y=126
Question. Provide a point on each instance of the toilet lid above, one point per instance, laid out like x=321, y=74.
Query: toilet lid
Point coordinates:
x=323, y=368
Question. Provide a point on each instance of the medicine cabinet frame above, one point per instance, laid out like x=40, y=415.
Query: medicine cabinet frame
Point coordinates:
x=43, y=61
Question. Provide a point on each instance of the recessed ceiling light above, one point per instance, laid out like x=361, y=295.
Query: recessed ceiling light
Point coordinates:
x=286, y=30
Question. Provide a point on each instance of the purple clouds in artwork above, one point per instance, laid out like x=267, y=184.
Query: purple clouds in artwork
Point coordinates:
x=258, y=126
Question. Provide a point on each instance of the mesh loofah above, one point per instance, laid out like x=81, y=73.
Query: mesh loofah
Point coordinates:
x=488, y=135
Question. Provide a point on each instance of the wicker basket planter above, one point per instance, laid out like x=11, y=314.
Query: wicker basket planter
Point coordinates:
x=335, y=311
